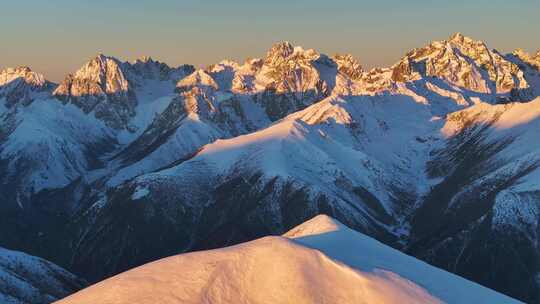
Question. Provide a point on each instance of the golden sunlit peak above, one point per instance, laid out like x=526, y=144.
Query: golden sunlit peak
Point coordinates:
x=281, y=49
x=460, y=39
x=100, y=55
x=100, y=58
x=457, y=36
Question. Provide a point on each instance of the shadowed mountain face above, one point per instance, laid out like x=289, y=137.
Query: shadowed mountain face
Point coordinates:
x=475, y=212
x=27, y=279
x=124, y=163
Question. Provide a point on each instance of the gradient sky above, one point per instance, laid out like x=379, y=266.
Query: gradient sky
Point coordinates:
x=56, y=37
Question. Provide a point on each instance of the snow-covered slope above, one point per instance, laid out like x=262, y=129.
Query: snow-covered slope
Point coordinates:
x=128, y=162
x=26, y=279
x=354, y=158
x=51, y=150
x=227, y=100
x=360, y=159
x=485, y=201
x=48, y=144
x=106, y=87
x=323, y=261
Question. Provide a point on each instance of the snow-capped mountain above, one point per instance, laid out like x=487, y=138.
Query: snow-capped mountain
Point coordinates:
x=326, y=158
x=530, y=65
x=484, y=203
x=464, y=65
x=21, y=85
x=320, y=261
x=101, y=87
x=106, y=87
x=227, y=100
x=30, y=280
x=464, y=62
x=50, y=146
x=533, y=60
x=127, y=162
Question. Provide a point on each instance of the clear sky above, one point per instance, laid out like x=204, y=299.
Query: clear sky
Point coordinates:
x=57, y=36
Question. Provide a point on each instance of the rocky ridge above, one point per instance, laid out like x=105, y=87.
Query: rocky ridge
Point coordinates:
x=177, y=148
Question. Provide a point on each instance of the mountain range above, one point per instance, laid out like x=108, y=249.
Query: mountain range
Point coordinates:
x=124, y=163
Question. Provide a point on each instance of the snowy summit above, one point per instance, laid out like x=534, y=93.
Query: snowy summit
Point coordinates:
x=320, y=261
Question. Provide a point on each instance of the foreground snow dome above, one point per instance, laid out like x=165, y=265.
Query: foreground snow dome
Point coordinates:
x=320, y=261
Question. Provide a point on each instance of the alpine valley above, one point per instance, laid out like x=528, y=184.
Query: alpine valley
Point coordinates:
x=124, y=163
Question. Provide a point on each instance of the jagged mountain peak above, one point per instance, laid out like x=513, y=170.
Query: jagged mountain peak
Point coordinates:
x=520, y=52
x=284, y=59
x=100, y=76
x=147, y=67
x=110, y=87
x=20, y=84
x=533, y=60
x=198, y=79
x=104, y=70
x=349, y=151
x=30, y=77
x=456, y=45
x=100, y=59
x=145, y=61
x=101, y=86
x=279, y=51
x=459, y=38
x=464, y=62
x=469, y=46
x=282, y=52
x=349, y=65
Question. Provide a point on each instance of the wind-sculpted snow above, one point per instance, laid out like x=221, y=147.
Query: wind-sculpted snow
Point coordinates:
x=323, y=262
